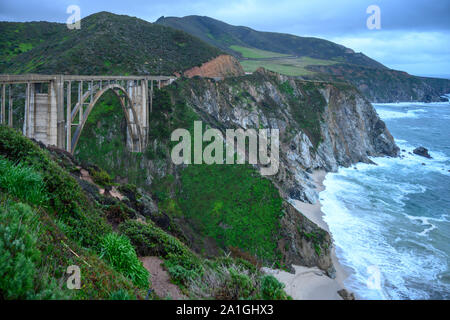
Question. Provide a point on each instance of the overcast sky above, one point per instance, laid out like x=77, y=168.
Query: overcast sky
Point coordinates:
x=414, y=34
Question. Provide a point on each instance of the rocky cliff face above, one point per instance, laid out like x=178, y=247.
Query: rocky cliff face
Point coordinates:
x=322, y=125
x=221, y=67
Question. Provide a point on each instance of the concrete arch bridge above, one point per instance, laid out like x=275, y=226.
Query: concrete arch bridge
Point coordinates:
x=54, y=104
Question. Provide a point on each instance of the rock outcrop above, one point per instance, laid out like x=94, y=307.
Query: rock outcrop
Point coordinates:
x=221, y=67
x=423, y=152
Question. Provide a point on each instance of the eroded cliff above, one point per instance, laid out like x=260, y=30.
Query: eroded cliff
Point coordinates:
x=221, y=67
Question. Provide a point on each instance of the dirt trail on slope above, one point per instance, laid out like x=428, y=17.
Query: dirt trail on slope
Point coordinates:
x=161, y=280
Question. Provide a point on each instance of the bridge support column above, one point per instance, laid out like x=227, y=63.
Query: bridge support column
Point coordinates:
x=129, y=88
x=10, y=107
x=80, y=94
x=141, y=104
x=151, y=96
x=61, y=134
x=52, y=116
x=3, y=110
x=26, y=115
x=29, y=122
x=69, y=118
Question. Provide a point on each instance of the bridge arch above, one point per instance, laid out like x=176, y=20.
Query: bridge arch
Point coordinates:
x=127, y=104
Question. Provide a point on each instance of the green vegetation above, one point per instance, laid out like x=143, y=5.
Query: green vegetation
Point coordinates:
x=253, y=53
x=22, y=182
x=18, y=38
x=307, y=110
x=317, y=238
x=101, y=177
x=272, y=289
x=20, y=275
x=221, y=278
x=236, y=279
x=235, y=206
x=150, y=240
x=289, y=67
x=121, y=295
x=55, y=226
x=118, y=251
x=47, y=239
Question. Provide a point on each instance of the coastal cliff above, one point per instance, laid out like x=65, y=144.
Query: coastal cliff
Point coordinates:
x=322, y=125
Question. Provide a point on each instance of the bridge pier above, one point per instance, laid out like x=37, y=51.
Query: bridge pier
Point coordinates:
x=3, y=107
x=10, y=107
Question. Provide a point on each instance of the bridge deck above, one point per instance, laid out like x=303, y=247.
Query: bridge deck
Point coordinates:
x=24, y=78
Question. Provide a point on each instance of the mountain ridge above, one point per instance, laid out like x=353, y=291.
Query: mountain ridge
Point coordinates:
x=311, y=59
x=241, y=35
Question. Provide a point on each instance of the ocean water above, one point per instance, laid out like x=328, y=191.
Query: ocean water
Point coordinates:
x=391, y=222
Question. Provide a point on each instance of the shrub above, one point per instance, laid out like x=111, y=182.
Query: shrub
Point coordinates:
x=121, y=294
x=101, y=177
x=179, y=274
x=119, y=252
x=241, y=284
x=272, y=289
x=227, y=279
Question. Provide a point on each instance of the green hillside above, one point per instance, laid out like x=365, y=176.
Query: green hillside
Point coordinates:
x=57, y=220
x=105, y=44
x=227, y=37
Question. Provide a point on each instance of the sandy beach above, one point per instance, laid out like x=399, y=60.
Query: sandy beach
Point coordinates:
x=313, y=283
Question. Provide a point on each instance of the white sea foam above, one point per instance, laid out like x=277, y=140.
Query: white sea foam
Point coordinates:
x=387, y=114
x=412, y=104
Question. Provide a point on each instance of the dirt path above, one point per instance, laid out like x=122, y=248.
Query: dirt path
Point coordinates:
x=161, y=280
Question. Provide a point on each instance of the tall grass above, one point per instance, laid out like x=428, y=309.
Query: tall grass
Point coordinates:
x=22, y=182
x=119, y=252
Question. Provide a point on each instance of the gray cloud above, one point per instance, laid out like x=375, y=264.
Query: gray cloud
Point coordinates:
x=414, y=32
